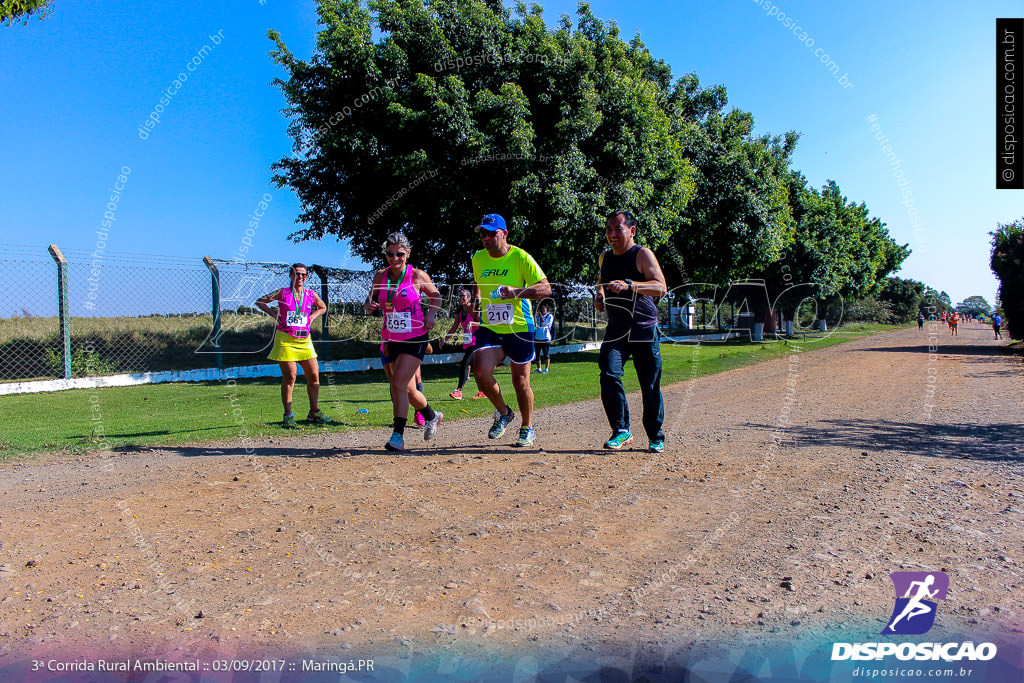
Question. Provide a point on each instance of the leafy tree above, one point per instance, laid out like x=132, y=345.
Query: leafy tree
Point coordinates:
x=974, y=306
x=12, y=11
x=1007, y=263
x=463, y=107
x=838, y=250
x=422, y=116
x=935, y=302
x=869, y=310
x=740, y=217
x=904, y=297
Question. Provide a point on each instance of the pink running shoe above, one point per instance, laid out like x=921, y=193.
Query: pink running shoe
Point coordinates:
x=420, y=420
x=456, y=394
x=480, y=395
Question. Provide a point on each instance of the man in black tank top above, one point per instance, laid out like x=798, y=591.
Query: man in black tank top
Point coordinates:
x=630, y=279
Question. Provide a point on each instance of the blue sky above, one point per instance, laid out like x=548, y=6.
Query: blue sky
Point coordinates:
x=78, y=85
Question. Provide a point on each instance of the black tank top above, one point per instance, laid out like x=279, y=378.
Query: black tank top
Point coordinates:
x=627, y=311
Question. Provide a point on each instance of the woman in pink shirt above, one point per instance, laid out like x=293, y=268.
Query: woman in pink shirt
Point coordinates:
x=398, y=292
x=468, y=323
x=296, y=310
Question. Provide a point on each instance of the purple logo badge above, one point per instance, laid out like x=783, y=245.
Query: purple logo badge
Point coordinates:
x=917, y=596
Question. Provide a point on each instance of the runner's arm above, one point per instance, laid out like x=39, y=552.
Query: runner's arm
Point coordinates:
x=427, y=287
x=263, y=303
x=319, y=307
x=540, y=290
x=371, y=305
x=599, y=289
x=654, y=285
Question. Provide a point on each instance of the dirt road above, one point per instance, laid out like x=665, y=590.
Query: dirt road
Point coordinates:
x=787, y=494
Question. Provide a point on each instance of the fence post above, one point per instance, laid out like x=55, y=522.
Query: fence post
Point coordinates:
x=215, y=284
x=324, y=324
x=62, y=304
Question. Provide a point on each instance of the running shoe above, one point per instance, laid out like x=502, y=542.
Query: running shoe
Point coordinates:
x=658, y=445
x=500, y=423
x=619, y=440
x=420, y=420
x=430, y=428
x=395, y=443
x=457, y=394
x=318, y=418
x=480, y=394
x=525, y=437
x=289, y=421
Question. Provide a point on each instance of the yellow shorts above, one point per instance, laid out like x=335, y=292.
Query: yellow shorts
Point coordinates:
x=288, y=348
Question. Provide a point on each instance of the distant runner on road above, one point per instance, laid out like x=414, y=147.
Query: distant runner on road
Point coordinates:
x=997, y=322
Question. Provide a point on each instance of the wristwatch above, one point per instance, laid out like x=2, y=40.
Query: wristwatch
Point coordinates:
x=629, y=283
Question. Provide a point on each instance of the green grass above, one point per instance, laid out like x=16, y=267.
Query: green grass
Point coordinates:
x=175, y=414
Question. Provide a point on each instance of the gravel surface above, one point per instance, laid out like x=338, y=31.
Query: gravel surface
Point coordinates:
x=787, y=494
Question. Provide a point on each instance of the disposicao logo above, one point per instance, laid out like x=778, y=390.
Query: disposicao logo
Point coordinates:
x=917, y=598
x=914, y=613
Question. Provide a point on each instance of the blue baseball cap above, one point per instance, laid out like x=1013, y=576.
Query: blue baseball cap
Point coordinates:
x=492, y=222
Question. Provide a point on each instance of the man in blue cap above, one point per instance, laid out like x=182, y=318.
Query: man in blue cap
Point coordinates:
x=504, y=277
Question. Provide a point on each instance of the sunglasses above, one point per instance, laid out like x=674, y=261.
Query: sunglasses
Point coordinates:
x=299, y=273
x=395, y=254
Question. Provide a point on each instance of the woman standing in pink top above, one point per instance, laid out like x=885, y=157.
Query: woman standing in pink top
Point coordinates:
x=296, y=310
x=398, y=291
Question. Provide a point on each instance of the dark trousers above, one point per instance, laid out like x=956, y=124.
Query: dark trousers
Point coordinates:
x=647, y=361
x=467, y=363
x=543, y=351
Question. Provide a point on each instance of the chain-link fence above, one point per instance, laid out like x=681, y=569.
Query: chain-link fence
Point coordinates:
x=87, y=314
x=136, y=315
x=29, y=327
x=91, y=313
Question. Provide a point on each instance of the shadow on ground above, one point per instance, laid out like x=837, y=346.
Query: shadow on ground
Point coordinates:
x=998, y=442
x=997, y=350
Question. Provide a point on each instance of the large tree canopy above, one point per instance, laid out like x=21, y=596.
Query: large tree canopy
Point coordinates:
x=974, y=306
x=904, y=296
x=423, y=115
x=935, y=302
x=740, y=218
x=459, y=108
x=838, y=251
